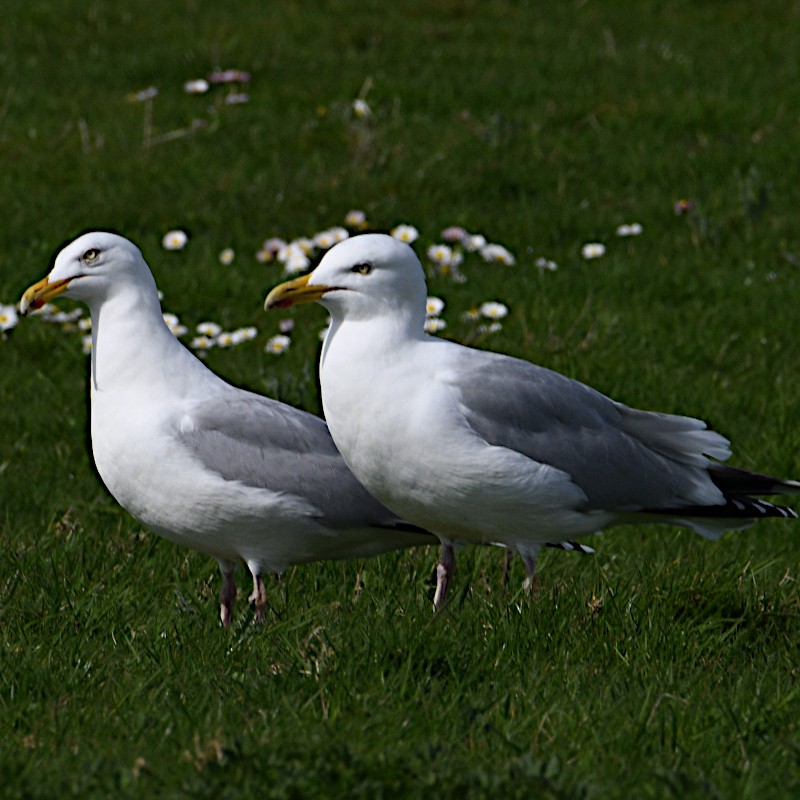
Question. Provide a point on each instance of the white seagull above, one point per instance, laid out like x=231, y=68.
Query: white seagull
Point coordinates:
x=478, y=447
x=208, y=466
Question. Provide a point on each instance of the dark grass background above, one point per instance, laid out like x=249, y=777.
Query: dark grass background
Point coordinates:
x=665, y=666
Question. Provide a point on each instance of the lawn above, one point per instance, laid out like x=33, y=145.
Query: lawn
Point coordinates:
x=662, y=666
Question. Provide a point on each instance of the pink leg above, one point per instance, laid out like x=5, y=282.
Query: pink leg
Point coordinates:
x=259, y=595
x=445, y=570
x=531, y=583
x=227, y=596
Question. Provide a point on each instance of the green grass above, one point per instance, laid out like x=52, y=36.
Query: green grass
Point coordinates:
x=665, y=666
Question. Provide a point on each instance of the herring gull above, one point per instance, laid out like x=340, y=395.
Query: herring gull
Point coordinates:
x=479, y=447
x=206, y=465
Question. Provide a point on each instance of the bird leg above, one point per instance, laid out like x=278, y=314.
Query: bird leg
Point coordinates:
x=531, y=583
x=227, y=596
x=259, y=596
x=445, y=570
x=508, y=557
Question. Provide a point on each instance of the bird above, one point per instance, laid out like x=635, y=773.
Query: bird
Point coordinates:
x=480, y=447
x=209, y=466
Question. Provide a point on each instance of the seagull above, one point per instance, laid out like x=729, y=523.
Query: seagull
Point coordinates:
x=241, y=477
x=479, y=447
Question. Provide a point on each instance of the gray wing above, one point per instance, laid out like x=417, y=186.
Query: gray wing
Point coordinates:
x=622, y=458
x=269, y=445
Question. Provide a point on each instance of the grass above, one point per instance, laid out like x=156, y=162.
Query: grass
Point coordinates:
x=665, y=666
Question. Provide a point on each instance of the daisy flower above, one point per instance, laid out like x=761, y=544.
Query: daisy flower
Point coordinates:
x=493, y=327
x=8, y=317
x=434, y=306
x=143, y=94
x=286, y=325
x=229, y=76
x=202, y=343
x=497, y=254
x=545, y=264
x=361, y=109
x=405, y=233
x=86, y=344
x=440, y=254
x=634, y=229
x=493, y=310
x=247, y=334
x=277, y=344
x=434, y=324
x=226, y=256
x=211, y=329
x=199, y=86
x=475, y=242
x=355, y=219
x=225, y=339
x=85, y=324
x=593, y=250
x=471, y=315
x=327, y=239
x=174, y=240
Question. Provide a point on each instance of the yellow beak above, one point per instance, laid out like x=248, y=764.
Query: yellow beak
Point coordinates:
x=292, y=293
x=41, y=292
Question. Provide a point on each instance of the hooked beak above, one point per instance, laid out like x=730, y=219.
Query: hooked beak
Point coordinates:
x=42, y=292
x=294, y=292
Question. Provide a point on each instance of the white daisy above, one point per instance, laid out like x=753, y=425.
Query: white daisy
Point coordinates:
x=86, y=344
x=493, y=310
x=434, y=306
x=434, y=324
x=226, y=256
x=85, y=324
x=405, y=233
x=225, y=339
x=593, y=250
x=634, y=229
x=277, y=344
x=174, y=240
x=355, y=218
x=545, y=264
x=209, y=329
x=474, y=242
x=361, y=109
x=244, y=334
x=202, y=343
x=497, y=254
x=199, y=86
x=8, y=317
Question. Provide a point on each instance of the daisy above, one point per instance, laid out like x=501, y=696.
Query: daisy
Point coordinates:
x=209, y=329
x=143, y=94
x=355, y=219
x=497, y=254
x=471, y=315
x=226, y=256
x=475, y=242
x=434, y=306
x=440, y=253
x=286, y=325
x=493, y=327
x=277, y=344
x=86, y=344
x=405, y=233
x=545, y=264
x=8, y=317
x=225, y=339
x=634, y=229
x=327, y=239
x=85, y=324
x=202, y=343
x=245, y=334
x=434, y=324
x=361, y=109
x=198, y=86
x=229, y=76
x=593, y=250
x=493, y=310
x=174, y=240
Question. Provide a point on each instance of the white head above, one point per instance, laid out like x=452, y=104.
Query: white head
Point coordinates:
x=91, y=268
x=366, y=276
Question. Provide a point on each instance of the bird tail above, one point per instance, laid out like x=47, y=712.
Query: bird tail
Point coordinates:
x=742, y=506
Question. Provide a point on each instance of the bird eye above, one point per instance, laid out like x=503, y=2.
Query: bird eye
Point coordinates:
x=90, y=255
x=362, y=269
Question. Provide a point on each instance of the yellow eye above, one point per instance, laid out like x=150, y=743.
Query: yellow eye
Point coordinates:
x=90, y=255
x=362, y=269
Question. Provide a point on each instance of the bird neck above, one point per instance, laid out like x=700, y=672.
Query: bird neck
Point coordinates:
x=127, y=330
